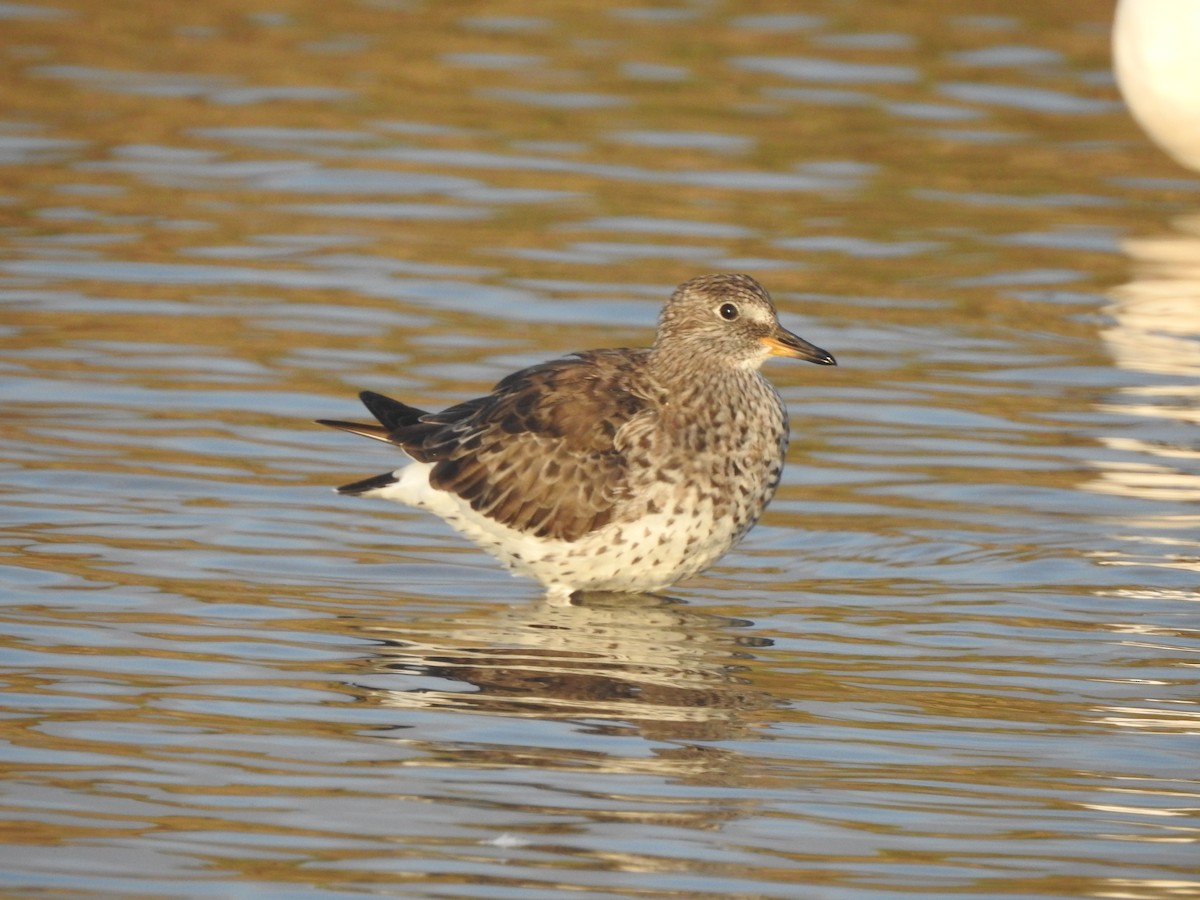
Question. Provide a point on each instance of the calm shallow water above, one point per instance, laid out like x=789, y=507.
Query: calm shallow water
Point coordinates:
x=958, y=657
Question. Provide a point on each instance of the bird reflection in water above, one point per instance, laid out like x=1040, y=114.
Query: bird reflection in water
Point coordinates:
x=621, y=662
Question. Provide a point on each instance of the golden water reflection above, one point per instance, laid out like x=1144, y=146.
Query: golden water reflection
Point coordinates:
x=970, y=668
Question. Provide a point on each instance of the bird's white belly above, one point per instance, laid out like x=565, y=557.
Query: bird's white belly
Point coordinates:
x=648, y=554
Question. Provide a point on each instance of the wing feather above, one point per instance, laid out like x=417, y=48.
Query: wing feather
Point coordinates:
x=540, y=453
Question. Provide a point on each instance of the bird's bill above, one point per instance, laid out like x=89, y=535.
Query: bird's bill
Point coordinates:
x=784, y=343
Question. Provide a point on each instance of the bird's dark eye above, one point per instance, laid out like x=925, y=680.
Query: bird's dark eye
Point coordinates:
x=728, y=312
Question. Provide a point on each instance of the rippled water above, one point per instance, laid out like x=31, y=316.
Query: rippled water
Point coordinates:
x=958, y=657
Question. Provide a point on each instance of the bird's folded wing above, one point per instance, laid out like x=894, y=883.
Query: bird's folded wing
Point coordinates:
x=540, y=453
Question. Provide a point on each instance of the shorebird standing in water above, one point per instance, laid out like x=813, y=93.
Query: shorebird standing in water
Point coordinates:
x=610, y=470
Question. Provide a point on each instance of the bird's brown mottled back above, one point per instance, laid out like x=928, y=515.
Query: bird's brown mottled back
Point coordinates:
x=539, y=453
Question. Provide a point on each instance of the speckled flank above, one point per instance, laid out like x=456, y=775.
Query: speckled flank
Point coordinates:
x=611, y=469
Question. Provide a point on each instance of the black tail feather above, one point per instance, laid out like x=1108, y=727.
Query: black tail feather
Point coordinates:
x=392, y=414
x=368, y=484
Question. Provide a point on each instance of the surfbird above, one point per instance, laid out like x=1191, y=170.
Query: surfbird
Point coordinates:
x=610, y=470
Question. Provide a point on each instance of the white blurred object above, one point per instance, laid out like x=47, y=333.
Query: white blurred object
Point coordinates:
x=1156, y=57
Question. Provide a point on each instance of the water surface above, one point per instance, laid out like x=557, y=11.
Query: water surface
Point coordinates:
x=957, y=658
